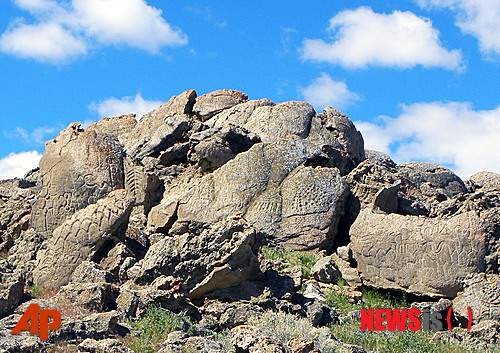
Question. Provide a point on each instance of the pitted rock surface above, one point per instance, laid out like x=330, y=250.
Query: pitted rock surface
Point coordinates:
x=78, y=168
x=419, y=255
x=162, y=127
x=299, y=206
x=220, y=256
x=482, y=294
x=214, y=102
x=80, y=237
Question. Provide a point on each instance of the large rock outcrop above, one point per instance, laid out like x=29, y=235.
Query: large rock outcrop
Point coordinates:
x=78, y=168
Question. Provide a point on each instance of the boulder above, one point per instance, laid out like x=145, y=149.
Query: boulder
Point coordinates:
x=380, y=158
x=433, y=179
x=80, y=238
x=247, y=338
x=425, y=256
x=108, y=345
x=486, y=181
x=11, y=292
x=271, y=123
x=212, y=103
x=325, y=270
x=90, y=272
x=78, y=168
x=482, y=294
x=162, y=127
x=218, y=256
x=179, y=342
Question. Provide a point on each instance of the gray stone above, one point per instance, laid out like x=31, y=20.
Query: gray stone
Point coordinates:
x=11, y=292
x=220, y=256
x=482, y=294
x=247, y=338
x=433, y=179
x=212, y=103
x=425, y=256
x=486, y=180
x=78, y=168
x=162, y=127
x=271, y=123
x=90, y=272
x=380, y=158
x=108, y=345
x=119, y=126
x=325, y=270
x=80, y=237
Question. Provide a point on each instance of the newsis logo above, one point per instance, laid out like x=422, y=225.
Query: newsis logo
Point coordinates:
x=40, y=324
x=406, y=319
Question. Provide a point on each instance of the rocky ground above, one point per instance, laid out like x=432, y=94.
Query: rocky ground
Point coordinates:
x=218, y=224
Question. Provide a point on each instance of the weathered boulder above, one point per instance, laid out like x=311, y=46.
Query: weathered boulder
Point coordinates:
x=96, y=326
x=16, y=197
x=433, y=179
x=11, y=291
x=482, y=294
x=380, y=158
x=179, y=342
x=425, y=256
x=108, y=345
x=239, y=114
x=78, y=168
x=90, y=272
x=219, y=256
x=119, y=126
x=162, y=127
x=214, y=102
x=98, y=297
x=271, y=123
x=296, y=205
x=247, y=338
x=80, y=238
x=325, y=270
x=485, y=181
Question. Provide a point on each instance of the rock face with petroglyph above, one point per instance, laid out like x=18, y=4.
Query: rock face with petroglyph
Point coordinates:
x=80, y=238
x=78, y=168
x=422, y=256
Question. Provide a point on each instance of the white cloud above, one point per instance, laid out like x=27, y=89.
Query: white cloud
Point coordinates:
x=128, y=105
x=18, y=164
x=45, y=42
x=479, y=18
x=450, y=133
x=324, y=91
x=130, y=22
x=65, y=30
x=400, y=39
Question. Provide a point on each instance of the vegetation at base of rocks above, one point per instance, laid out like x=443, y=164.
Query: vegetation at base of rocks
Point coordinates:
x=304, y=259
x=41, y=292
x=349, y=331
x=284, y=327
x=154, y=328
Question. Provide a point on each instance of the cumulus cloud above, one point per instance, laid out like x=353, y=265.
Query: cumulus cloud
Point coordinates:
x=324, y=91
x=363, y=37
x=45, y=42
x=18, y=164
x=65, y=30
x=450, y=133
x=127, y=105
x=475, y=17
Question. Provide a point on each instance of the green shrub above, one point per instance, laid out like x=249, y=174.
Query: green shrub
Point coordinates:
x=154, y=328
x=304, y=259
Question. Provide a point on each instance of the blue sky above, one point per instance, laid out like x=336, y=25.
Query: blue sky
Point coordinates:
x=420, y=78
